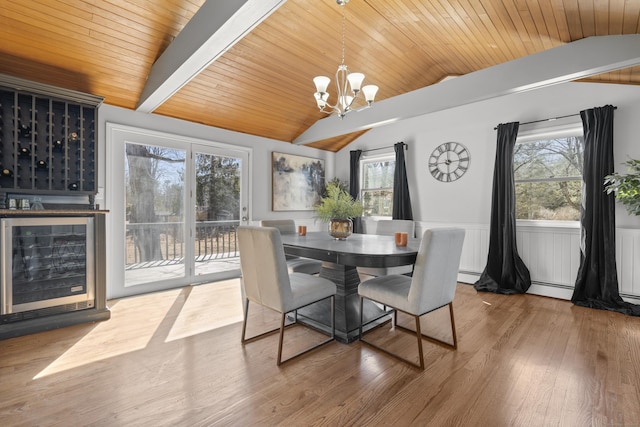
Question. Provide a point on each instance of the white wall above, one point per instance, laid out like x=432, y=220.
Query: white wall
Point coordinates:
x=261, y=154
x=463, y=202
x=551, y=253
x=468, y=199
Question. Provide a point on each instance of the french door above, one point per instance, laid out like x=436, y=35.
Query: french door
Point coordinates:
x=217, y=196
x=181, y=203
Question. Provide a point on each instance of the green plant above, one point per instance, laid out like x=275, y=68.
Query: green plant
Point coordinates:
x=344, y=186
x=337, y=204
x=626, y=187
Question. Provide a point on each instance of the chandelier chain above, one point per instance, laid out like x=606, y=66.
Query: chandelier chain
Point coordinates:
x=343, y=32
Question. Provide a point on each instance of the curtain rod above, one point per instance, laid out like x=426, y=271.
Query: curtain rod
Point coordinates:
x=550, y=119
x=406, y=147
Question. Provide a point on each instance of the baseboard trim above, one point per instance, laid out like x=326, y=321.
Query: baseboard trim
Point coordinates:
x=543, y=289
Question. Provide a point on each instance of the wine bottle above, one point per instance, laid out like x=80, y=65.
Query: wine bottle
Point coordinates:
x=24, y=152
x=6, y=172
x=24, y=131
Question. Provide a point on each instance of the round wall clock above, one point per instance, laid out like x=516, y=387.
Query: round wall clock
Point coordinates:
x=449, y=161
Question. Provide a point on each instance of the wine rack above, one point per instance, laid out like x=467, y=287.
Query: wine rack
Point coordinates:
x=47, y=144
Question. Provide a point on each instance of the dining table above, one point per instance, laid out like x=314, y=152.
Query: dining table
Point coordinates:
x=340, y=260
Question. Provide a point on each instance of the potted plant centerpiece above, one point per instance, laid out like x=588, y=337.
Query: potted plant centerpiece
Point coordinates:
x=626, y=186
x=338, y=208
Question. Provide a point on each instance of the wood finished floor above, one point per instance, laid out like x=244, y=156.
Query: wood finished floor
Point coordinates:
x=174, y=359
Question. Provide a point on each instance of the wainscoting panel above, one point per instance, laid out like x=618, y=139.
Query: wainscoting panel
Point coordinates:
x=628, y=260
x=552, y=254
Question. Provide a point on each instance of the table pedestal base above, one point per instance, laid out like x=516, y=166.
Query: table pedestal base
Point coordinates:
x=318, y=315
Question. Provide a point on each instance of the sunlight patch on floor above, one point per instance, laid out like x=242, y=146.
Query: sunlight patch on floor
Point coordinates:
x=177, y=314
x=205, y=310
x=108, y=336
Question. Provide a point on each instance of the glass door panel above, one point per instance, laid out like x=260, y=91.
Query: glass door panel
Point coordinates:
x=46, y=263
x=220, y=205
x=155, y=245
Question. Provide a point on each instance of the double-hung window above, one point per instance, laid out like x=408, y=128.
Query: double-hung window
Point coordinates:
x=376, y=185
x=548, y=175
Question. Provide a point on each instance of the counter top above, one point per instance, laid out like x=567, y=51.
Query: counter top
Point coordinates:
x=51, y=212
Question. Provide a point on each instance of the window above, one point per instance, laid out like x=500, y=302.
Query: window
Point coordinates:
x=548, y=176
x=376, y=185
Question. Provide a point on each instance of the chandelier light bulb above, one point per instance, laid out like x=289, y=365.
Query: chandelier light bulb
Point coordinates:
x=345, y=102
x=321, y=83
x=321, y=99
x=355, y=81
x=369, y=92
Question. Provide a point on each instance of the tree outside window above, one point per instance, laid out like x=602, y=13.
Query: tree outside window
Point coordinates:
x=548, y=178
x=376, y=187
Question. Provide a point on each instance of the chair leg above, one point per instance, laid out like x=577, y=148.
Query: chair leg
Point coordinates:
x=244, y=326
x=328, y=340
x=384, y=350
x=418, y=333
x=419, y=337
x=245, y=309
x=361, y=319
x=279, y=362
x=453, y=346
x=453, y=327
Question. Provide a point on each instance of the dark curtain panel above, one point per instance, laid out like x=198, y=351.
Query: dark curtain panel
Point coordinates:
x=354, y=184
x=597, y=280
x=401, y=199
x=505, y=272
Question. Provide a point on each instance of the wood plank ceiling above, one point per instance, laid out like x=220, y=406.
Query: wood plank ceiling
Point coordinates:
x=263, y=84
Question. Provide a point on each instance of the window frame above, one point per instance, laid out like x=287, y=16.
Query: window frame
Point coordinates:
x=381, y=157
x=573, y=128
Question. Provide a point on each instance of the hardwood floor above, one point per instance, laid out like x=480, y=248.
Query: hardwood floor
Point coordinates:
x=175, y=359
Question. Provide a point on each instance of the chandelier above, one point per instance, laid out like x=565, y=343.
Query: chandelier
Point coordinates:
x=348, y=86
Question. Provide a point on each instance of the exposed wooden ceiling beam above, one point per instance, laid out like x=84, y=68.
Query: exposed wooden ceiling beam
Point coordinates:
x=579, y=59
x=216, y=27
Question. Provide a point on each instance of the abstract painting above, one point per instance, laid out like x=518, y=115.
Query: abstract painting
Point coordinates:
x=298, y=182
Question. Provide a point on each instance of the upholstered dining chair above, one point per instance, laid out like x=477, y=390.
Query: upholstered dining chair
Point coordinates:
x=432, y=286
x=294, y=264
x=267, y=282
x=389, y=227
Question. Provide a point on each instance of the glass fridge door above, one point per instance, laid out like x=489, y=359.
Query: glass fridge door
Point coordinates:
x=47, y=262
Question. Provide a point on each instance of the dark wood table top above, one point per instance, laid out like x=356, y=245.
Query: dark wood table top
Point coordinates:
x=358, y=250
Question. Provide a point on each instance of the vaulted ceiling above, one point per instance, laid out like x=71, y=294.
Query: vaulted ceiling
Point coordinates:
x=262, y=84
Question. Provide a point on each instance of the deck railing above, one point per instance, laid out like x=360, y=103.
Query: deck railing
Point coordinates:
x=213, y=240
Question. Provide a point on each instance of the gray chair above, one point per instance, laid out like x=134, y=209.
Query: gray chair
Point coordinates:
x=388, y=227
x=295, y=264
x=432, y=286
x=267, y=282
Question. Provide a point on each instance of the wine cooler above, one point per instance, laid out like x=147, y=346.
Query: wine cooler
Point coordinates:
x=47, y=266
